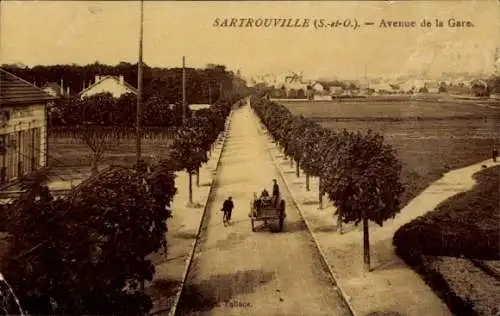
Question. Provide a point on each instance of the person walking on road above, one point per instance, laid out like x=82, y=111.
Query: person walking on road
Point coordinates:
x=495, y=154
x=227, y=208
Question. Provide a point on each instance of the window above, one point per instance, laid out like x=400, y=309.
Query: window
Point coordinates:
x=36, y=147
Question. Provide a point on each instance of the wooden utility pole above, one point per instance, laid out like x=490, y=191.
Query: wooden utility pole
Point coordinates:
x=139, y=90
x=184, y=105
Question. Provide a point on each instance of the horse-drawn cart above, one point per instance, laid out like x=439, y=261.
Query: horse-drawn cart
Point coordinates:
x=267, y=209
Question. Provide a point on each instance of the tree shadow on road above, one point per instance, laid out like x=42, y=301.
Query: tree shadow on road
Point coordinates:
x=207, y=294
x=231, y=240
x=162, y=293
x=311, y=202
x=384, y=314
x=293, y=227
x=325, y=229
x=185, y=235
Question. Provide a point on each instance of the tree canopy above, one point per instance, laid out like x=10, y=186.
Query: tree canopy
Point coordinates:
x=86, y=253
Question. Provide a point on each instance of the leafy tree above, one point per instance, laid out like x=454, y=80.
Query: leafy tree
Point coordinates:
x=188, y=152
x=204, y=133
x=86, y=253
x=311, y=154
x=89, y=119
x=364, y=183
x=295, y=141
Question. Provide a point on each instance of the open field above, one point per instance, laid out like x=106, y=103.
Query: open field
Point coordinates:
x=69, y=152
x=429, y=138
x=381, y=109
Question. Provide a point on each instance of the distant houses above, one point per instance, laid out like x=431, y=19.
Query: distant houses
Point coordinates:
x=115, y=85
x=56, y=90
x=292, y=86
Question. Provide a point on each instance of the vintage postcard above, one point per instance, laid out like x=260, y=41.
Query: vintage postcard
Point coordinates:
x=250, y=158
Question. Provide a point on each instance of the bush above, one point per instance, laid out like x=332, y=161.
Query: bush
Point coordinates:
x=466, y=225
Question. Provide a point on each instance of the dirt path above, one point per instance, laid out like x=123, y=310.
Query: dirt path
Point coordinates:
x=240, y=272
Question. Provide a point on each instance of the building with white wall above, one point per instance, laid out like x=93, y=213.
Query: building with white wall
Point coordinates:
x=23, y=127
x=115, y=85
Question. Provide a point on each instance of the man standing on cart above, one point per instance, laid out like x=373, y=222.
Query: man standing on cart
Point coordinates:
x=276, y=192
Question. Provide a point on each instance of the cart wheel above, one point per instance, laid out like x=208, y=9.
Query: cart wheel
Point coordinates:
x=253, y=225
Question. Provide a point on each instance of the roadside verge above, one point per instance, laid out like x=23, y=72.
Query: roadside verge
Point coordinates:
x=189, y=260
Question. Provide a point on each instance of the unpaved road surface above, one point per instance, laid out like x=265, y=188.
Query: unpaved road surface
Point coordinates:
x=240, y=272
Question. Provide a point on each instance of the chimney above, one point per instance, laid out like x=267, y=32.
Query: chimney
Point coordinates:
x=122, y=80
x=97, y=78
x=62, y=87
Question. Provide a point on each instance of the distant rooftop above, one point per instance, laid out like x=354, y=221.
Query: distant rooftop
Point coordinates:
x=195, y=107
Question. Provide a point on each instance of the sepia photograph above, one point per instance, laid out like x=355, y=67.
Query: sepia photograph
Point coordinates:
x=299, y=158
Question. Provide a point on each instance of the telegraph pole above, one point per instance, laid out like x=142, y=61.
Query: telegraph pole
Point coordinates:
x=184, y=105
x=139, y=90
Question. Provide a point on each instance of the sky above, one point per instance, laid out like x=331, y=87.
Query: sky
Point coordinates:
x=82, y=32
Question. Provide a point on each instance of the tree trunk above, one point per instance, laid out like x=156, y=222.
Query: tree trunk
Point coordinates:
x=198, y=177
x=366, y=244
x=320, y=194
x=94, y=170
x=307, y=183
x=190, y=187
x=297, y=168
x=291, y=162
x=339, y=222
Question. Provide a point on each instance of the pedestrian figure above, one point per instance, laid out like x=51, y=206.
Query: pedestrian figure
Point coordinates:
x=495, y=154
x=227, y=208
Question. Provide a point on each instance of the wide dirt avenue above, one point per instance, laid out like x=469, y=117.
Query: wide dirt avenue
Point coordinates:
x=240, y=272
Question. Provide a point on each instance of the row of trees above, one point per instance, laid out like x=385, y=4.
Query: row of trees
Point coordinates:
x=105, y=110
x=202, y=85
x=87, y=253
x=358, y=172
x=193, y=142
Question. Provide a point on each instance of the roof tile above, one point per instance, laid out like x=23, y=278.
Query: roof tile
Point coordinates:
x=14, y=90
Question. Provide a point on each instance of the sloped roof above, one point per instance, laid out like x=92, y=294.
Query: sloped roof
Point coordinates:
x=116, y=78
x=14, y=90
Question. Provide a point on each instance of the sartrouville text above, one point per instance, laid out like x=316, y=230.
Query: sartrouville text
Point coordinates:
x=262, y=22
